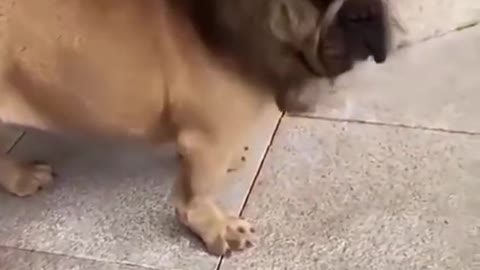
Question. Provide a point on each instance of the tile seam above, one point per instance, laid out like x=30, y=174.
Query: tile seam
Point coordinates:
x=257, y=174
x=77, y=257
x=384, y=124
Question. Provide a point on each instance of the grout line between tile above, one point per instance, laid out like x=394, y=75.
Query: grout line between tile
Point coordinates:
x=17, y=140
x=77, y=257
x=267, y=149
x=466, y=26
x=405, y=126
x=257, y=174
x=442, y=35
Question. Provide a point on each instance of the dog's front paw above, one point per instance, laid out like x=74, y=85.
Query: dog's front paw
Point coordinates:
x=221, y=234
x=30, y=178
x=235, y=234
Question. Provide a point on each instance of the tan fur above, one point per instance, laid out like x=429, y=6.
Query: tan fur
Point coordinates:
x=129, y=68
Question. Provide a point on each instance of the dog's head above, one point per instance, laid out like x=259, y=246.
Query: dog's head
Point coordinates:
x=285, y=43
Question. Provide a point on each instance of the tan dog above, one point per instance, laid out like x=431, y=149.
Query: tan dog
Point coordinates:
x=195, y=72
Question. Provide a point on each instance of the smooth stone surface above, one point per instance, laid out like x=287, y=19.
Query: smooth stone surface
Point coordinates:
x=333, y=195
x=8, y=136
x=434, y=85
x=14, y=259
x=111, y=202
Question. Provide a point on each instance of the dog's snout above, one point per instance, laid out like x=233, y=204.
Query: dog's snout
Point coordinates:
x=365, y=28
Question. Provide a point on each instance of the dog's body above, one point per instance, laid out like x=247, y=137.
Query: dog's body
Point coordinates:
x=145, y=69
x=115, y=68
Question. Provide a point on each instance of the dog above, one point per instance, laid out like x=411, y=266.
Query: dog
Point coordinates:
x=198, y=73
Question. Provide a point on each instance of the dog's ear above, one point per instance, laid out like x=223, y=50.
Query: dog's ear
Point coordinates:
x=292, y=21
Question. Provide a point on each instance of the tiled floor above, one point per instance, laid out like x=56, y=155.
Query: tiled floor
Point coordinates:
x=384, y=175
x=8, y=138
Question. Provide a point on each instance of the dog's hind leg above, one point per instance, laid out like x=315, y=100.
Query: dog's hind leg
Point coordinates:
x=204, y=169
x=23, y=179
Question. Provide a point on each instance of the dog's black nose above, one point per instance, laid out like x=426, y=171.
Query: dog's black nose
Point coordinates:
x=365, y=28
x=376, y=41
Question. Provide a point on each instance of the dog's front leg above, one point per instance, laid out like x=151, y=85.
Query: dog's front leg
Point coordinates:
x=23, y=179
x=204, y=166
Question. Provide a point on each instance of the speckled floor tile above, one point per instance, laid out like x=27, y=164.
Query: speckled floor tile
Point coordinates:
x=433, y=84
x=110, y=202
x=333, y=195
x=14, y=259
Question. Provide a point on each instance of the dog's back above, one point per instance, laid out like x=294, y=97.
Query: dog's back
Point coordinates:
x=54, y=55
x=105, y=65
